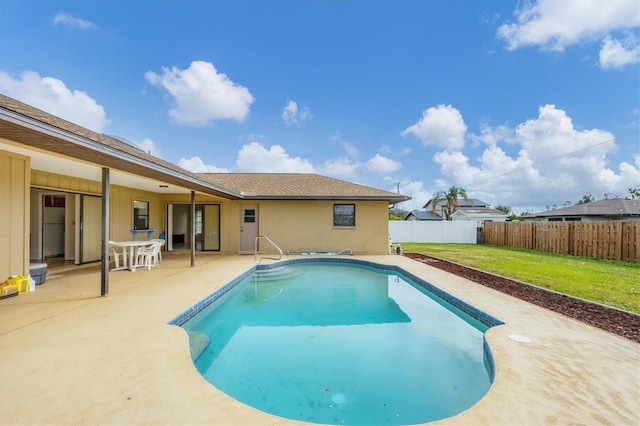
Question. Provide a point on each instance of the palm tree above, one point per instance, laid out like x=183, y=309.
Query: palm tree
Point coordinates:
x=451, y=197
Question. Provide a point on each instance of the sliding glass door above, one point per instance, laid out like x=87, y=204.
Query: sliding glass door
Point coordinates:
x=210, y=226
x=207, y=225
x=90, y=228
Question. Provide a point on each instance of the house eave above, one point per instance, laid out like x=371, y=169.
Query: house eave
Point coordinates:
x=37, y=134
x=326, y=197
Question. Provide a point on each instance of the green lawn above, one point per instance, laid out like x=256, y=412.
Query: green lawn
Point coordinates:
x=608, y=282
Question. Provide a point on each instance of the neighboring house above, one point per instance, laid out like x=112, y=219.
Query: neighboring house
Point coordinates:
x=422, y=215
x=470, y=209
x=613, y=209
x=462, y=204
x=66, y=190
x=480, y=215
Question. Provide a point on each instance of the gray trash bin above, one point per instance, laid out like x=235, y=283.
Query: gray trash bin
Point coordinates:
x=38, y=272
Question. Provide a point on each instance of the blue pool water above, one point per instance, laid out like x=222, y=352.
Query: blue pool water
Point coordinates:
x=342, y=343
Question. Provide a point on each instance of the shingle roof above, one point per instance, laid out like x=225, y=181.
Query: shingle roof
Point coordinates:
x=297, y=186
x=612, y=207
x=423, y=215
x=481, y=212
x=471, y=202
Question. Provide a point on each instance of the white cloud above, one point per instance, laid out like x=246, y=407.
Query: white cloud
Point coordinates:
x=554, y=25
x=454, y=166
x=343, y=167
x=398, y=151
x=256, y=158
x=382, y=165
x=414, y=189
x=351, y=150
x=147, y=145
x=340, y=167
x=62, y=18
x=52, y=95
x=552, y=135
x=630, y=173
x=442, y=126
x=618, y=53
x=493, y=135
x=294, y=116
x=347, y=167
x=196, y=165
x=202, y=94
x=555, y=162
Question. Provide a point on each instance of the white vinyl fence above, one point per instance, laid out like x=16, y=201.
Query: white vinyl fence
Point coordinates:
x=417, y=231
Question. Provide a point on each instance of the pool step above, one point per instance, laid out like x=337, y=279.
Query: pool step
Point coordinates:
x=278, y=273
x=198, y=343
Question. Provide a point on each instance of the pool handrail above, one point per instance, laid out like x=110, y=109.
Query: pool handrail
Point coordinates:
x=343, y=250
x=255, y=249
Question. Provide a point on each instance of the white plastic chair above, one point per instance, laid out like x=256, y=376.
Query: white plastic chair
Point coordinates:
x=161, y=242
x=147, y=256
x=117, y=255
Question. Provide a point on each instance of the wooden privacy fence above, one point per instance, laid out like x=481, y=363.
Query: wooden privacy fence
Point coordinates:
x=612, y=239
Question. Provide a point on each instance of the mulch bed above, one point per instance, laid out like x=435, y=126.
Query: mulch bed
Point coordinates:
x=624, y=324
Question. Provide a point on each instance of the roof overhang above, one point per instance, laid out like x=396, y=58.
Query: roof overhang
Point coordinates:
x=59, y=151
x=390, y=200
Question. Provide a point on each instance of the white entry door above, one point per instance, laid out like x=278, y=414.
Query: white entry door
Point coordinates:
x=248, y=228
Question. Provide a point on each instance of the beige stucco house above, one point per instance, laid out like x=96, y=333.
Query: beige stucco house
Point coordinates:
x=66, y=191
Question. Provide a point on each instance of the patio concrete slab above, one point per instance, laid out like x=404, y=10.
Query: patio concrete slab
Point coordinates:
x=70, y=356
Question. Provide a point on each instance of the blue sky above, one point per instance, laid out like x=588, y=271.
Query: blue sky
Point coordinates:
x=524, y=104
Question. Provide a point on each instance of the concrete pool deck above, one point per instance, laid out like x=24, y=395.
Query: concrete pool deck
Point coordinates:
x=69, y=356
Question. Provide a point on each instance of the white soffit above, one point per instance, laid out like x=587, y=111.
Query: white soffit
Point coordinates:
x=46, y=162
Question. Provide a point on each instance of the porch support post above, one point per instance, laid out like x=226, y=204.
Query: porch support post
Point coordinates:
x=104, y=274
x=193, y=228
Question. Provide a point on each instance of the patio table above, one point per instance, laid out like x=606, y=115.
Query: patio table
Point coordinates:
x=128, y=250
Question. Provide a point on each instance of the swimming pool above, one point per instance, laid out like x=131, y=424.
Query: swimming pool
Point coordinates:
x=341, y=341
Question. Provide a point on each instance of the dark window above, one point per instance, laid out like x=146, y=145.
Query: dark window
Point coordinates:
x=249, y=216
x=344, y=215
x=54, y=200
x=140, y=214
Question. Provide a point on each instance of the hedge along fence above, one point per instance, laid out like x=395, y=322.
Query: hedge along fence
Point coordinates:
x=612, y=239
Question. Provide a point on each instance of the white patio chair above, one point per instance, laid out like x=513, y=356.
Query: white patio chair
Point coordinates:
x=117, y=255
x=147, y=256
x=156, y=257
x=161, y=242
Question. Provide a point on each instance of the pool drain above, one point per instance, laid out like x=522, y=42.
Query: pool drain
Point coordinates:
x=338, y=398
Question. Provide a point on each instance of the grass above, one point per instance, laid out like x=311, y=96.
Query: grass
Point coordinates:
x=608, y=282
